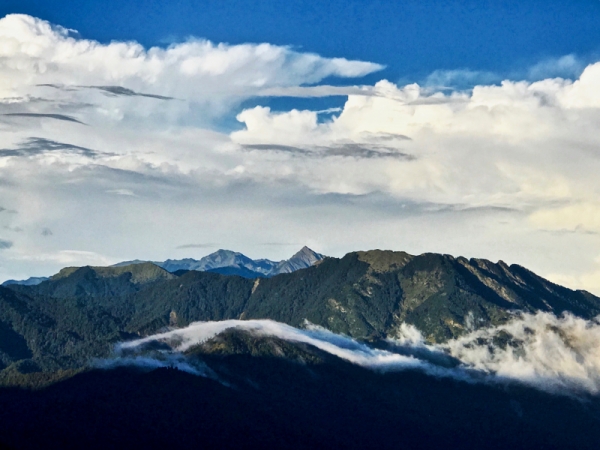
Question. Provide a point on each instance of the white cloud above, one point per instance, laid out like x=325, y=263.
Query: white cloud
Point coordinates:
x=484, y=173
x=567, y=66
x=459, y=78
x=315, y=91
x=584, y=217
x=32, y=52
x=558, y=355
x=509, y=145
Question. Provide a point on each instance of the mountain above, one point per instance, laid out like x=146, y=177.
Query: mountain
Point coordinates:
x=31, y=281
x=102, y=281
x=240, y=387
x=227, y=262
x=81, y=312
x=268, y=393
x=301, y=260
x=223, y=259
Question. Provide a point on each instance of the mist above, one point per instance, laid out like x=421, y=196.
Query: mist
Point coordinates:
x=560, y=355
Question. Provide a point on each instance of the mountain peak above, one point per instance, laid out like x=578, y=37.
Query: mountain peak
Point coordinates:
x=229, y=262
x=301, y=260
x=308, y=254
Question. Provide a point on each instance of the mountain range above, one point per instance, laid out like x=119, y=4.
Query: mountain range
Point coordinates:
x=80, y=312
x=53, y=334
x=226, y=262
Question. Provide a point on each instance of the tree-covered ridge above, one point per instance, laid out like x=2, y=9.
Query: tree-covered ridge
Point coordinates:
x=258, y=399
x=82, y=312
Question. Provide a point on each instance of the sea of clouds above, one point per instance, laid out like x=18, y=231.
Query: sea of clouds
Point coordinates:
x=560, y=355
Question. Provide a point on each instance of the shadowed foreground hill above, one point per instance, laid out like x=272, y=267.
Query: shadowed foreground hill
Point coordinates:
x=273, y=394
x=81, y=312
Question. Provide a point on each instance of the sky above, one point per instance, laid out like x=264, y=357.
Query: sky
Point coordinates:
x=157, y=130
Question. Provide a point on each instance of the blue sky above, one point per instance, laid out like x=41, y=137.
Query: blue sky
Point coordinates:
x=412, y=37
x=171, y=129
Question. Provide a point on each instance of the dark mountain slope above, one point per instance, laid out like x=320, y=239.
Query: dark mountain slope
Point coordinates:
x=31, y=281
x=192, y=297
x=77, y=314
x=101, y=281
x=273, y=402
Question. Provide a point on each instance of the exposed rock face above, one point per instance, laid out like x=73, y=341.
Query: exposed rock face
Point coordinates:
x=301, y=260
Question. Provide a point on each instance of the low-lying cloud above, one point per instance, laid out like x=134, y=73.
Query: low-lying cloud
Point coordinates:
x=560, y=355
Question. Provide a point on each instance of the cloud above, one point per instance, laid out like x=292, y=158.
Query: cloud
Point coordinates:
x=460, y=78
x=154, y=362
x=118, y=90
x=554, y=354
x=185, y=246
x=504, y=120
x=4, y=245
x=491, y=171
x=34, y=53
x=125, y=192
x=108, y=90
x=560, y=355
x=39, y=146
x=44, y=116
x=567, y=66
x=580, y=217
x=68, y=257
x=281, y=244
x=315, y=91
x=357, y=150
x=351, y=150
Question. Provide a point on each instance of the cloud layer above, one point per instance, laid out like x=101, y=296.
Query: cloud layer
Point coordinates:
x=112, y=146
x=557, y=355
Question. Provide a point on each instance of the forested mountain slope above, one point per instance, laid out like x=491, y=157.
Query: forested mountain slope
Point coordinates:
x=81, y=312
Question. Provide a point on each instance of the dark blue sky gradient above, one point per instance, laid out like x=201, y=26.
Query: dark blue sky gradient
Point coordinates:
x=411, y=37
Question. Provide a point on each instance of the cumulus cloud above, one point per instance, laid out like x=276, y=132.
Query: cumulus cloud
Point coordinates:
x=35, y=53
x=112, y=145
x=560, y=355
x=515, y=144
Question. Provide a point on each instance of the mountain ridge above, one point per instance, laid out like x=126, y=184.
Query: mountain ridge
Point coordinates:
x=229, y=262
x=81, y=312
